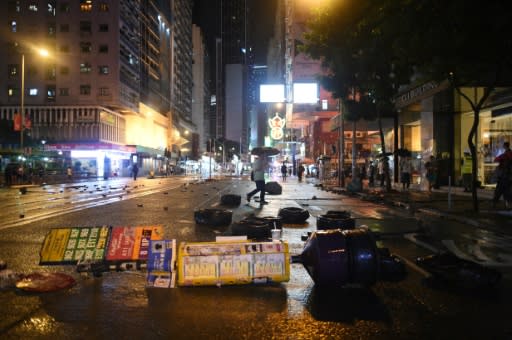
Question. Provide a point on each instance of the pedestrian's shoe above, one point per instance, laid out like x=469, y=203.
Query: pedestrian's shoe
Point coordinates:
x=263, y=202
x=248, y=197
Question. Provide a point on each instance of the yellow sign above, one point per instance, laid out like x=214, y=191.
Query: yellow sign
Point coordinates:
x=277, y=125
x=223, y=263
x=70, y=245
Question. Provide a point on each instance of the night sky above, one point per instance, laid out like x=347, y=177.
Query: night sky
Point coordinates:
x=261, y=18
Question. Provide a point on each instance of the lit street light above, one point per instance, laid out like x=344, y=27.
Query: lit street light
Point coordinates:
x=43, y=53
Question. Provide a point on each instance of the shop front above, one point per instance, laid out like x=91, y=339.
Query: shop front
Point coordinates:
x=96, y=159
x=495, y=129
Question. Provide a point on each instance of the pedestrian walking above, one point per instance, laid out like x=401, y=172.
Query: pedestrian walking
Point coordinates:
x=371, y=174
x=300, y=172
x=431, y=172
x=380, y=169
x=467, y=171
x=405, y=172
x=69, y=173
x=259, y=167
x=135, y=171
x=284, y=172
x=504, y=176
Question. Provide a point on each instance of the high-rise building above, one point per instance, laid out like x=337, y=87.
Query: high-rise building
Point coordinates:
x=116, y=86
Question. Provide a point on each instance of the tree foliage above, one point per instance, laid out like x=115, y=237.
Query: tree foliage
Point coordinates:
x=376, y=46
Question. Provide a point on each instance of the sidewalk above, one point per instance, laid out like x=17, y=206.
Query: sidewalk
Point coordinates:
x=449, y=203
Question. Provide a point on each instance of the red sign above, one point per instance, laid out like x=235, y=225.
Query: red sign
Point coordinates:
x=17, y=122
x=132, y=243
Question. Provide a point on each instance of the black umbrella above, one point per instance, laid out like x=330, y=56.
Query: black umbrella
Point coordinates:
x=264, y=151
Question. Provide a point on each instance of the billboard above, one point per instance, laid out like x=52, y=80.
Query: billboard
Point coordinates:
x=305, y=93
x=272, y=93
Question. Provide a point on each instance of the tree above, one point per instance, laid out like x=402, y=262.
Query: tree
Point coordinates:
x=466, y=43
x=348, y=37
x=463, y=42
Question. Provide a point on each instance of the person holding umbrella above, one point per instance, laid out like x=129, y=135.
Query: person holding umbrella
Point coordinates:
x=259, y=167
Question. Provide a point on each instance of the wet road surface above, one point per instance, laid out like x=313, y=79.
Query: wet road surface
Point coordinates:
x=118, y=305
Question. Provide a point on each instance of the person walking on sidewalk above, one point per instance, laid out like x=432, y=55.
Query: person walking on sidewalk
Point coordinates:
x=466, y=171
x=405, y=172
x=260, y=164
x=284, y=172
x=135, y=171
x=300, y=172
x=504, y=176
x=431, y=173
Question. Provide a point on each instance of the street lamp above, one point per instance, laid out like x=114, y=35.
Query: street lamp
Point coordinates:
x=43, y=53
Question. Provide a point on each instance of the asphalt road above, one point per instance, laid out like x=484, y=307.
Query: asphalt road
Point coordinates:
x=118, y=304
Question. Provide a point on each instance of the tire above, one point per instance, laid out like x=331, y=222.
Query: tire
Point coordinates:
x=273, y=188
x=293, y=215
x=213, y=217
x=327, y=222
x=231, y=200
x=275, y=221
x=338, y=213
x=254, y=229
x=272, y=221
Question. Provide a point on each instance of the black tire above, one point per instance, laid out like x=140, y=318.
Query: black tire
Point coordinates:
x=338, y=213
x=254, y=229
x=213, y=217
x=275, y=221
x=231, y=200
x=273, y=188
x=327, y=222
x=293, y=215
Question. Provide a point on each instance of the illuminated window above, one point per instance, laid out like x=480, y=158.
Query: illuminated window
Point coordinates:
x=14, y=26
x=50, y=93
x=32, y=7
x=85, y=5
x=51, y=9
x=85, y=90
x=32, y=92
x=103, y=69
x=12, y=92
x=85, y=68
x=324, y=104
x=103, y=7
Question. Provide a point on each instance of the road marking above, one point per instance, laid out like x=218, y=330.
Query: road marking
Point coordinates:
x=452, y=247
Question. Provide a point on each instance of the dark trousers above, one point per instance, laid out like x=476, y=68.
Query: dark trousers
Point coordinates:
x=260, y=186
x=502, y=188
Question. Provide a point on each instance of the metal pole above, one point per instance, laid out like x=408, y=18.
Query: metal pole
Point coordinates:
x=22, y=101
x=210, y=173
x=449, y=192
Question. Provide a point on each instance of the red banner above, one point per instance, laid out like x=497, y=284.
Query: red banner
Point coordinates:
x=17, y=122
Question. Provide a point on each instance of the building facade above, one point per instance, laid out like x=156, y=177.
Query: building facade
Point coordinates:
x=110, y=92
